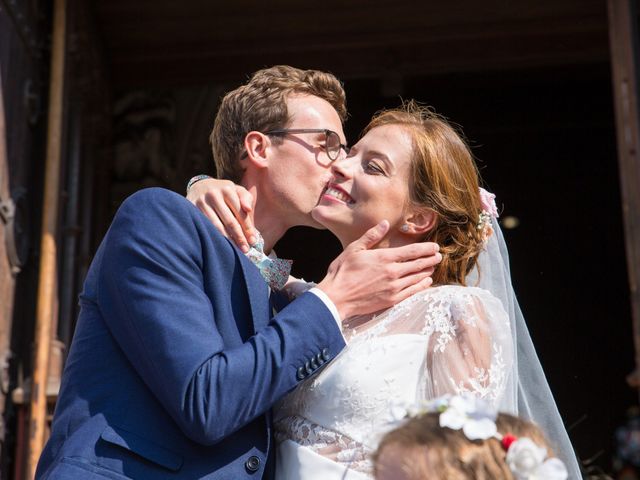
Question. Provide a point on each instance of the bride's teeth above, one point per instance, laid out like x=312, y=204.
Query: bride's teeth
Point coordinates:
x=339, y=195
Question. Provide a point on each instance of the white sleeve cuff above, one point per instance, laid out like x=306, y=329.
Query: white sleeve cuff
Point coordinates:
x=329, y=303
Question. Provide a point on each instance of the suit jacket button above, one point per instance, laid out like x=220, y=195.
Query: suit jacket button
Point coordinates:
x=325, y=354
x=307, y=367
x=313, y=363
x=252, y=464
x=301, y=374
x=319, y=359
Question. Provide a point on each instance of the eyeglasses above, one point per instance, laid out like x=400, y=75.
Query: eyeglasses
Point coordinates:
x=332, y=142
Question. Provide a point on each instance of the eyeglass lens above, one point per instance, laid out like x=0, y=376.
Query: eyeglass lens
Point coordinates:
x=332, y=145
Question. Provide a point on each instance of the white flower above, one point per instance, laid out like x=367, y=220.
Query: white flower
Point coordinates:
x=474, y=416
x=551, y=469
x=527, y=462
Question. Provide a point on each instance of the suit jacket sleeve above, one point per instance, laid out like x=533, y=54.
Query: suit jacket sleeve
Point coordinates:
x=151, y=293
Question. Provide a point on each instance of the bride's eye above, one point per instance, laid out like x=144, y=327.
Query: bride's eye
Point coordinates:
x=373, y=168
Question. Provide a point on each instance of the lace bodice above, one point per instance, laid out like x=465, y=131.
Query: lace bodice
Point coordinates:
x=447, y=339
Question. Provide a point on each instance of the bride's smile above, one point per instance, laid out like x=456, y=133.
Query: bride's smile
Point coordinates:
x=369, y=185
x=336, y=192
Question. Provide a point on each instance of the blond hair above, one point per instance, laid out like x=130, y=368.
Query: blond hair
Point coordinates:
x=444, y=179
x=433, y=452
x=261, y=105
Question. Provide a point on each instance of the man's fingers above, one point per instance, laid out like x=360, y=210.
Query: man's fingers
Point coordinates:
x=410, y=252
x=371, y=237
x=406, y=286
x=416, y=285
x=424, y=264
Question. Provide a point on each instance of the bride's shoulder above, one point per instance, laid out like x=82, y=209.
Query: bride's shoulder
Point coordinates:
x=450, y=293
x=443, y=308
x=450, y=298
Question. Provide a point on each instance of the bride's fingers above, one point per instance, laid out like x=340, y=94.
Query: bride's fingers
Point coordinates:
x=234, y=205
x=210, y=213
x=245, y=215
x=232, y=226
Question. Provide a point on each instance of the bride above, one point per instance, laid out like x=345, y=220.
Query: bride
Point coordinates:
x=463, y=335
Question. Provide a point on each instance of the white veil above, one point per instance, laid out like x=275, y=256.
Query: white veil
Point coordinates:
x=534, y=398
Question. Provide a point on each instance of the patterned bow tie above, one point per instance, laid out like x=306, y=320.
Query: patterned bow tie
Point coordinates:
x=274, y=270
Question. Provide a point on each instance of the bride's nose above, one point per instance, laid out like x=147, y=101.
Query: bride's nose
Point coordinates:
x=342, y=167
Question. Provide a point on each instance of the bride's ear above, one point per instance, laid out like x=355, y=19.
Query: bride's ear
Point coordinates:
x=419, y=222
x=256, y=145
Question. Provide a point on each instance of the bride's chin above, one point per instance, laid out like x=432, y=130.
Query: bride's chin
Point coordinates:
x=320, y=215
x=334, y=225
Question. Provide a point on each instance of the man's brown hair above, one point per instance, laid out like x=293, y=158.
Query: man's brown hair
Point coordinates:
x=261, y=105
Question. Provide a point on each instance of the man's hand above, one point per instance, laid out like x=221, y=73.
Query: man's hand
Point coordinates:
x=364, y=280
x=228, y=206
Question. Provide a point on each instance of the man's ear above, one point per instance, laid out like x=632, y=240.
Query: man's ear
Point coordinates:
x=420, y=222
x=256, y=145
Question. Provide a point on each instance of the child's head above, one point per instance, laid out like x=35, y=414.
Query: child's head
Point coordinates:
x=421, y=449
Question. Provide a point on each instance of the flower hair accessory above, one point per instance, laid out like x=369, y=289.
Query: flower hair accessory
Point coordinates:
x=489, y=211
x=477, y=420
x=528, y=461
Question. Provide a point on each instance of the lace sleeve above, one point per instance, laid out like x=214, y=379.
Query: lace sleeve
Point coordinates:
x=472, y=351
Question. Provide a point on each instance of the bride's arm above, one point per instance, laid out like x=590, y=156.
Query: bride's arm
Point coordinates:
x=475, y=355
x=228, y=206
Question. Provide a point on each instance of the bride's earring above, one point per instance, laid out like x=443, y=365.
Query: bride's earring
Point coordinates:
x=404, y=228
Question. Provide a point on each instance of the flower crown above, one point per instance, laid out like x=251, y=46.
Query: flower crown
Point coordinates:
x=489, y=211
x=477, y=420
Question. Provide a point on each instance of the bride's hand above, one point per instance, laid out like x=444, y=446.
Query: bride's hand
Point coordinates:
x=228, y=206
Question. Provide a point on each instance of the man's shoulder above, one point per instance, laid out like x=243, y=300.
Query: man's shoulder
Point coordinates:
x=153, y=212
x=153, y=205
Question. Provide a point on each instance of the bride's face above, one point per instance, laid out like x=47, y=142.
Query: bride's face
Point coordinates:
x=370, y=185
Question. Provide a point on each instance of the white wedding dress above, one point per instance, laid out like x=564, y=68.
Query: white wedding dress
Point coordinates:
x=446, y=339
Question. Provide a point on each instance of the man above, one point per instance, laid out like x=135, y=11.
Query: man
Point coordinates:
x=177, y=358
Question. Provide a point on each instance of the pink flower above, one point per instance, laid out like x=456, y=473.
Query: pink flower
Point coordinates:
x=488, y=202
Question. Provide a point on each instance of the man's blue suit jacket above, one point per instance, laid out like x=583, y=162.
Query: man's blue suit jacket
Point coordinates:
x=176, y=358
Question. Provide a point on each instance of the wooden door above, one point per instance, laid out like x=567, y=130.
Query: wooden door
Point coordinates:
x=22, y=97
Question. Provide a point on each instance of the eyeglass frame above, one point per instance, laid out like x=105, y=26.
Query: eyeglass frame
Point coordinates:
x=326, y=131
